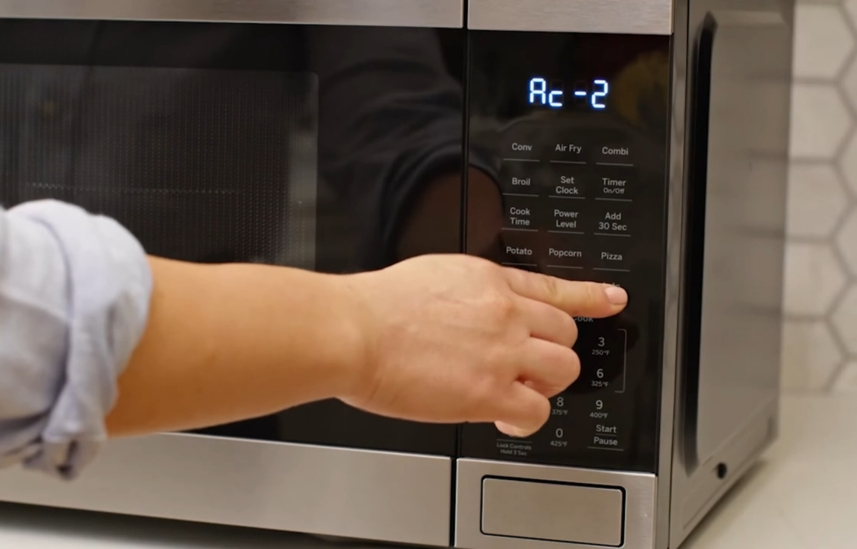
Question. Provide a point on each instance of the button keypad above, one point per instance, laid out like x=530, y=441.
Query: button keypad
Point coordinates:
x=569, y=212
x=575, y=212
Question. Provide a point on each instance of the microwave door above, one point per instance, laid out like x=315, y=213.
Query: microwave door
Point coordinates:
x=737, y=174
x=390, y=121
x=324, y=139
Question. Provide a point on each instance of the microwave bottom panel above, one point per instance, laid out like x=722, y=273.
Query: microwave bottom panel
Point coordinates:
x=331, y=491
x=393, y=497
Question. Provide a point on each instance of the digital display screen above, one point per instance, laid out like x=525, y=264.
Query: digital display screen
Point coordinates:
x=552, y=94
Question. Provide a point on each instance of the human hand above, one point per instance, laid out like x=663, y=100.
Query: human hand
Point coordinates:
x=453, y=339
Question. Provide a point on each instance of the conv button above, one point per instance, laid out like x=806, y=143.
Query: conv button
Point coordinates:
x=551, y=511
x=520, y=145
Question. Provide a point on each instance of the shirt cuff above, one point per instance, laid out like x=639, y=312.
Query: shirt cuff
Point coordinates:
x=109, y=285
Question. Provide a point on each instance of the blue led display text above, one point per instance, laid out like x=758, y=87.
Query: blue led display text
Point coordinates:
x=541, y=94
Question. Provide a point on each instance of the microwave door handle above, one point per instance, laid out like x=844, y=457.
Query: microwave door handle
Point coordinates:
x=694, y=264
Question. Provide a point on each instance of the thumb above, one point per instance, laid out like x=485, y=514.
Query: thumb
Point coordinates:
x=576, y=298
x=523, y=411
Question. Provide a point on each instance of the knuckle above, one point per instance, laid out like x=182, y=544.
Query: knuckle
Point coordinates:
x=568, y=364
x=591, y=294
x=482, y=390
x=551, y=287
x=503, y=307
x=573, y=367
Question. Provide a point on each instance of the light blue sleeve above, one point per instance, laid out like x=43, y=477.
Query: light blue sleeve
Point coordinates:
x=74, y=302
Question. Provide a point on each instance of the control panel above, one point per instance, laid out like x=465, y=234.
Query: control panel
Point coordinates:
x=575, y=144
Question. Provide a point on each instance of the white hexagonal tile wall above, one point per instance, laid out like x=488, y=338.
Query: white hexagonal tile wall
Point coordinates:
x=849, y=83
x=846, y=381
x=820, y=121
x=851, y=9
x=813, y=279
x=810, y=356
x=816, y=201
x=845, y=320
x=846, y=240
x=849, y=163
x=823, y=41
x=821, y=257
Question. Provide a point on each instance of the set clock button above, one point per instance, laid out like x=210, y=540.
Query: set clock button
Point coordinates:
x=566, y=183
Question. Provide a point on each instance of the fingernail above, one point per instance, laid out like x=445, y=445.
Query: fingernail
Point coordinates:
x=616, y=295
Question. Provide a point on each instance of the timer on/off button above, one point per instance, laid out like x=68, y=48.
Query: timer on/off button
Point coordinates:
x=617, y=184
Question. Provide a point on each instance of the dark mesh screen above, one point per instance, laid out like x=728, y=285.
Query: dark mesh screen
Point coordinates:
x=201, y=165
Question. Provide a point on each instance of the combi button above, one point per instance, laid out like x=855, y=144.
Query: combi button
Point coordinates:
x=549, y=511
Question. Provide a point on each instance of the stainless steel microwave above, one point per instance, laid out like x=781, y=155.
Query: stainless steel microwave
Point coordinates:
x=639, y=143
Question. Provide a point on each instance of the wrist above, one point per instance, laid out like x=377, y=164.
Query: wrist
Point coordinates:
x=354, y=341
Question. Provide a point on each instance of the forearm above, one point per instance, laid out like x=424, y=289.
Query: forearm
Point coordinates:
x=231, y=342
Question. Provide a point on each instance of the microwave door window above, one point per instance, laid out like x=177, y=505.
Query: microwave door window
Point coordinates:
x=201, y=165
x=337, y=149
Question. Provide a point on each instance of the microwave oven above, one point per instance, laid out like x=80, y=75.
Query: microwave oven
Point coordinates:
x=638, y=143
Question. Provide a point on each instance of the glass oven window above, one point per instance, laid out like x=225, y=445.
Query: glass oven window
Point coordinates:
x=204, y=165
x=331, y=148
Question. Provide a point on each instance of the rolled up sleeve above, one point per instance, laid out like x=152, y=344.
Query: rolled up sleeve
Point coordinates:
x=74, y=301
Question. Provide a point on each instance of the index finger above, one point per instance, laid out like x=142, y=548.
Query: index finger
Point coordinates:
x=592, y=299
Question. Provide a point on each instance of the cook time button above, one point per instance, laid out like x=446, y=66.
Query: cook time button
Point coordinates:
x=522, y=213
